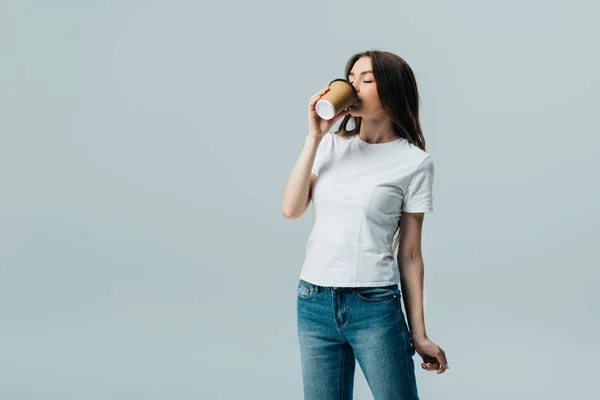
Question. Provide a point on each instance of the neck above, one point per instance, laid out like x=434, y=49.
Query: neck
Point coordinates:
x=377, y=130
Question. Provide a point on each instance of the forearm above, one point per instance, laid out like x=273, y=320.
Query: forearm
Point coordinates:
x=295, y=194
x=411, y=285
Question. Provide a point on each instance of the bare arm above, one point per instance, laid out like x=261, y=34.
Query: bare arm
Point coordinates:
x=298, y=190
x=410, y=264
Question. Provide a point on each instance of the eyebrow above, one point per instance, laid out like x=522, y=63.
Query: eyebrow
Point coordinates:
x=362, y=73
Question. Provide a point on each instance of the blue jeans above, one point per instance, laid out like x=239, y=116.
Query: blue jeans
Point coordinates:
x=337, y=326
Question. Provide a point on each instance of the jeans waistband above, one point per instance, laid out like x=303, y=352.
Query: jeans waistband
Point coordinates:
x=337, y=289
x=318, y=288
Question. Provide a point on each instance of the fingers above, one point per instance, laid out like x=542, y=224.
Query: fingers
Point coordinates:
x=433, y=366
x=321, y=92
x=440, y=364
x=440, y=356
x=430, y=365
x=316, y=96
x=443, y=358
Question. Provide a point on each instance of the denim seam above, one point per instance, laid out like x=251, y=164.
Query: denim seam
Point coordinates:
x=409, y=382
x=302, y=297
x=368, y=300
x=379, y=300
x=342, y=374
x=337, y=326
x=309, y=295
x=408, y=379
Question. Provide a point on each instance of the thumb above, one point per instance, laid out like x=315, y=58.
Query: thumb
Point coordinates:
x=441, y=360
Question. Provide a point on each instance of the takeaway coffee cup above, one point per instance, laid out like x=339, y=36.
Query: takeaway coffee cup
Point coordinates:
x=341, y=95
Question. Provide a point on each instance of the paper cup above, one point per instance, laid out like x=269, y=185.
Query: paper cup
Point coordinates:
x=341, y=95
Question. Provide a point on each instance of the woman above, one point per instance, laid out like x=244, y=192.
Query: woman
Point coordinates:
x=367, y=184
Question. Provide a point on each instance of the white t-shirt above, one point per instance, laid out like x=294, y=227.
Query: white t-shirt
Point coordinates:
x=362, y=190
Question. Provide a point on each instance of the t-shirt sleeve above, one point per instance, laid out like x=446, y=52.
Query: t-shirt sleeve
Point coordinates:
x=418, y=196
x=322, y=152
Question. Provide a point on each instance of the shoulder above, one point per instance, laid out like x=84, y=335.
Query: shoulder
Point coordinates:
x=416, y=157
x=417, y=151
x=330, y=137
x=427, y=164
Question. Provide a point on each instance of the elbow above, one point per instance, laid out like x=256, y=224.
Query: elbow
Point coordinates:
x=408, y=254
x=289, y=215
x=293, y=213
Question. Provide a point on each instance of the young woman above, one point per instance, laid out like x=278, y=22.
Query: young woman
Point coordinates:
x=366, y=184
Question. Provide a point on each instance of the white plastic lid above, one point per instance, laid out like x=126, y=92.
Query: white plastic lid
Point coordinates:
x=325, y=109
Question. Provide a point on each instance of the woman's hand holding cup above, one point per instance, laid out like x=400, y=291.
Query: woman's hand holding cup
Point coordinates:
x=317, y=126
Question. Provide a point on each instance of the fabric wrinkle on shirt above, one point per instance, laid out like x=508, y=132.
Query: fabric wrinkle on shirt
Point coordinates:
x=361, y=192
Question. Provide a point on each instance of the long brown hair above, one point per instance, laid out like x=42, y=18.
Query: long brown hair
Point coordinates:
x=399, y=96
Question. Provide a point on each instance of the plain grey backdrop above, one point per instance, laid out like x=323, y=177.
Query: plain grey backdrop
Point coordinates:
x=144, y=150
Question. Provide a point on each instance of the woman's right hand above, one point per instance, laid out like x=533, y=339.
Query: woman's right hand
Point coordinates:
x=318, y=126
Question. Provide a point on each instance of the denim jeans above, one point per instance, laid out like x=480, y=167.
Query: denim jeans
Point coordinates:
x=338, y=326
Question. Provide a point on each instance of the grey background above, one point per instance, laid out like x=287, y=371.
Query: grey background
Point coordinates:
x=144, y=150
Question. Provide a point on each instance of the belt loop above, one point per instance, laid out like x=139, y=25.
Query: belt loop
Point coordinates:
x=317, y=289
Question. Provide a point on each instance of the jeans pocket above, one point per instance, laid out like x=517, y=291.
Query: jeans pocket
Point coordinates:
x=305, y=290
x=377, y=294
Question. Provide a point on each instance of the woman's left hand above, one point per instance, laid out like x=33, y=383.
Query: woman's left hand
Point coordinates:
x=434, y=357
